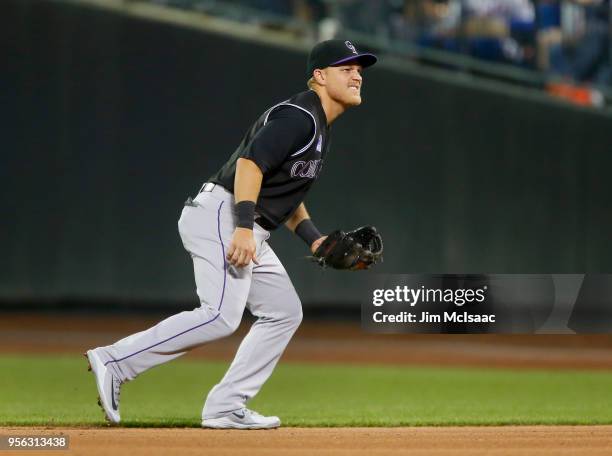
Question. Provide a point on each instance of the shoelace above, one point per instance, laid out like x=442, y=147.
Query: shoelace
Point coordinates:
x=252, y=413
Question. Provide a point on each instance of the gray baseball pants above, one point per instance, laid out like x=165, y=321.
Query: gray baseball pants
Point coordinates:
x=224, y=290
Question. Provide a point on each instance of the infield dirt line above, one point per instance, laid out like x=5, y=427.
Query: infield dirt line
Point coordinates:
x=430, y=441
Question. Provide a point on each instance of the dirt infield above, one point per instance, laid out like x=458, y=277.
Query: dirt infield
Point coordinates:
x=323, y=342
x=531, y=440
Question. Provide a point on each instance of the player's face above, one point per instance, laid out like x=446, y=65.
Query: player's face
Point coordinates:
x=344, y=83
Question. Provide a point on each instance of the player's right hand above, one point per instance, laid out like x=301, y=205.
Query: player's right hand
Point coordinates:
x=242, y=249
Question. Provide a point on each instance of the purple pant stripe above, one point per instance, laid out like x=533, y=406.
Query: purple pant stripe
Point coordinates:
x=202, y=324
x=222, y=253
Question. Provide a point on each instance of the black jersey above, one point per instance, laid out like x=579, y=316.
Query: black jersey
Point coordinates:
x=288, y=142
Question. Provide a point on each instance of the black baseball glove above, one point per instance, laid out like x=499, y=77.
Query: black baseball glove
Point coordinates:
x=357, y=249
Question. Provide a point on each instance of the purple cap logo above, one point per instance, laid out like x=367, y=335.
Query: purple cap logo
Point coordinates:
x=351, y=47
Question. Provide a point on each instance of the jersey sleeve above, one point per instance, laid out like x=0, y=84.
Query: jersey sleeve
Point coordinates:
x=287, y=130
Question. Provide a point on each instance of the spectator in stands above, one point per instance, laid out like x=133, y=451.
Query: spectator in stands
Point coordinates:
x=548, y=14
x=584, y=54
x=498, y=30
x=430, y=23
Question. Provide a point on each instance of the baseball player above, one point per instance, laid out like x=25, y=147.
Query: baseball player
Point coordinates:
x=225, y=229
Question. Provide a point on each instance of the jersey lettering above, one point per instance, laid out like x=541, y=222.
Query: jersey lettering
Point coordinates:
x=309, y=169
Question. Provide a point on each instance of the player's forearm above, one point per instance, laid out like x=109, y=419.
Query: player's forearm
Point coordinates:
x=303, y=227
x=247, y=182
x=298, y=216
x=247, y=185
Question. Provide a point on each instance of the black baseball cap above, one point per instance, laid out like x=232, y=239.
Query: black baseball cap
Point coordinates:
x=336, y=52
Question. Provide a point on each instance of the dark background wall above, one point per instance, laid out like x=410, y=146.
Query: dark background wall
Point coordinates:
x=109, y=123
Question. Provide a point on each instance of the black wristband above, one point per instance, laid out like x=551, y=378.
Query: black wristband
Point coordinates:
x=307, y=231
x=246, y=214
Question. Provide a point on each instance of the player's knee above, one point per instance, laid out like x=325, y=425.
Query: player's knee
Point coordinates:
x=294, y=318
x=233, y=325
x=226, y=324
x=226, y=329
x=290, y=316
x=297, y=319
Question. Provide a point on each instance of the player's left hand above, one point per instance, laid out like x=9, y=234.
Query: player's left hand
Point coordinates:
x=352, y=251
x=315, y=245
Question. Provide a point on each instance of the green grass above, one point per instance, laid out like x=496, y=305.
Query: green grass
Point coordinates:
x=59, y=391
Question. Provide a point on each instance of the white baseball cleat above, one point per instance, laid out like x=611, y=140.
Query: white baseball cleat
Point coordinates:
x=242, y=419
x=109, y=387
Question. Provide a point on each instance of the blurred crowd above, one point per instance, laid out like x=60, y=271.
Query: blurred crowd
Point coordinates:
x=568, y=38
x=565, y=38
